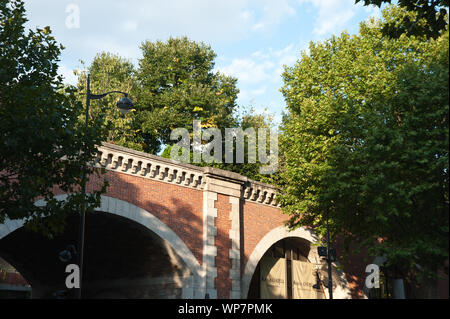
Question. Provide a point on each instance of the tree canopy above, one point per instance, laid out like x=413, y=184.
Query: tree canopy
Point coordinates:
x=248, y=119
x=172, y=85
x=424, y=18
x=43, y=145
x=110, y=72
x=367, y=137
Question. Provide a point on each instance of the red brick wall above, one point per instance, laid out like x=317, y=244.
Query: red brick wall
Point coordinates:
x=442, y=284
x=180, y=208
x=258, y=220
x=12, y=278
x=354, y=267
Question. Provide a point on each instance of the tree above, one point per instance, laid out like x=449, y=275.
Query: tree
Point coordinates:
x=110, y=72
x=43, y=146
x=173, y=85
x=247, y=120
x=177, y=86
x=367, y=137
x=424, y=18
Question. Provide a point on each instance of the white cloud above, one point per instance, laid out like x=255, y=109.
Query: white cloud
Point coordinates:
x=130, y=25
x=248, y=71
x=274, y=11
x=259, y=91
x=374, y=12
x=260, y=55
x=332, y=15
x=287, y=56
x=261, y=66
x=284, y=51
x=244, y=95
x=124, y=24
x=259, y=76
x=258, y=26
x=233, y=29
x=68, y=75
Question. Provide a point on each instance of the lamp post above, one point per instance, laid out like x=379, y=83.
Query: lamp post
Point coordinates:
x=124, y=105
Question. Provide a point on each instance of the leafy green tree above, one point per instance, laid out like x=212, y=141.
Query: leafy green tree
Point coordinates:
x=424, y=18
x=173, y=85
x=42, y=144
x=250, y=119
x=367, y=137
x=110, y=72
x=176, y=86
x=247, y=120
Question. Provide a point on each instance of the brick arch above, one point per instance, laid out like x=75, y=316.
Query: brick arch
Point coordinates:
x=264, y=244
x=141, y=216
x=9, y=226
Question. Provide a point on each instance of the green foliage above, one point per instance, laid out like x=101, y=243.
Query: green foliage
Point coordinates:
x=40, y=137
x=178, y=86
x=173, y=85
x=367, y=136
x=111, y=73
x=423, y=18
x=248, y=119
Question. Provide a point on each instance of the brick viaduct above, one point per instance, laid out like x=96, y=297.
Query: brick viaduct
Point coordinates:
x=214, y=224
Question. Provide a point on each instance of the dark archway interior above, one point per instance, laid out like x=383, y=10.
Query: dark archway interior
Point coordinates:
x=291, y=248
x=120, y=255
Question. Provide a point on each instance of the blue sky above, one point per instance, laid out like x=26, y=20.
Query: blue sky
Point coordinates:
x=253, y=39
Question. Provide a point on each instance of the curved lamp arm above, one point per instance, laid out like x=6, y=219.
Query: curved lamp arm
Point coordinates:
x=99, y=96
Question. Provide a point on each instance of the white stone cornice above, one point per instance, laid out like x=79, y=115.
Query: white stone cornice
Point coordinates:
x=260, y=193
x=128, y=161
x=124, y=160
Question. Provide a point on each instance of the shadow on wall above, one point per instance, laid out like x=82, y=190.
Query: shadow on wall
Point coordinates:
x=123, y=259
x=180, y=208
x=354, y=266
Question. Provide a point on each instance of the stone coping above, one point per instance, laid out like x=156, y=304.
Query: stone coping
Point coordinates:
x=121, y=159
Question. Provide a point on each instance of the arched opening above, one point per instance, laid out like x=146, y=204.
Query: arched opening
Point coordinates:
x=12, y=283
x=285, y=272
x=123, y=259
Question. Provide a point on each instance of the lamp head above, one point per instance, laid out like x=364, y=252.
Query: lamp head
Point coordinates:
x=65, y=256
x=125, y=105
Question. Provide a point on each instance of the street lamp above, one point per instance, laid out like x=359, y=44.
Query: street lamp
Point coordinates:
x=124, y=105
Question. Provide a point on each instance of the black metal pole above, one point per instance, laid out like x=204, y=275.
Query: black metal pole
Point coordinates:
x=330, y=280
x=83, y=192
